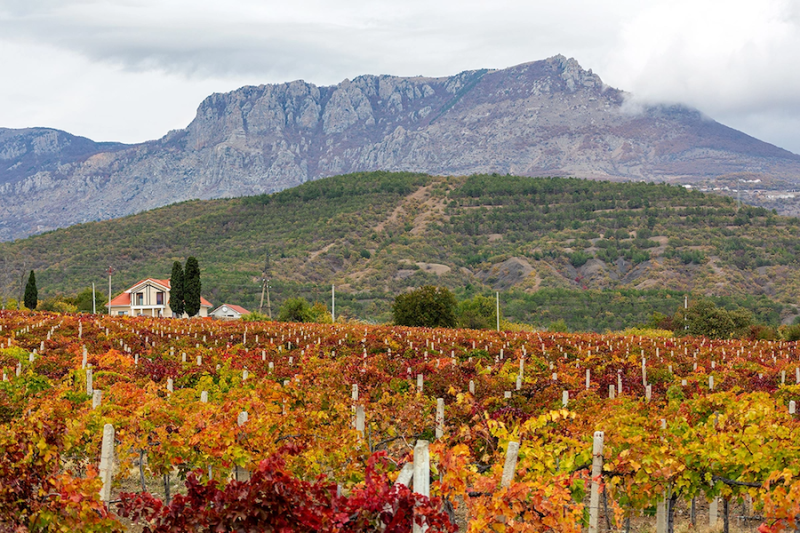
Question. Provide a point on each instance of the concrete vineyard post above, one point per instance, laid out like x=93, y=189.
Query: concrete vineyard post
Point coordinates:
x=89, y=388
x=242, y=474
x=644, y=372
x=792, y=407
x=661, y=516
x=422, y=481
x=360, y=419
x=97, y=398
x=597, y=472
x=588, y=378
x=419, y=383
x=713, y=512
x=406, y=474
x=107, y=462
x=439, y=417
x=204, y=396
x=472, y=387
x=510, y=465
x=564, y=399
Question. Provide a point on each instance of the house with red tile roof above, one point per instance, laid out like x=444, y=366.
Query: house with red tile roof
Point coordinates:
x=229, y=312
x=149, y=297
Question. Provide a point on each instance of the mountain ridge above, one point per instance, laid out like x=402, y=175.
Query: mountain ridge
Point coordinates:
x=543, y=118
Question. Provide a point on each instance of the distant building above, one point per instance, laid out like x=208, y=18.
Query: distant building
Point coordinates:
x=149, y=297
x=229, y=312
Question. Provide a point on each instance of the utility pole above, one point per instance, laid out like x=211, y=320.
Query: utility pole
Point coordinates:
x=333, y=303
x=686, y=310
x=22, y=286
x=94, y=301
x=498, y=311
x=265, y=288
x=110, y=271
x=269, y=306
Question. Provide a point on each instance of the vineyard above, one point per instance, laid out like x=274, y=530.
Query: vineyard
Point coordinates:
x=162, y=425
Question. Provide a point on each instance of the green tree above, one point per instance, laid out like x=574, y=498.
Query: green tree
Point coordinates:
x=83, y=300
x=191, y=287
x=31, y=293
x=176, y=283
x=319, y=314
x=704, y=318
x=479, y=312
x=428, y=306
x=295, y=310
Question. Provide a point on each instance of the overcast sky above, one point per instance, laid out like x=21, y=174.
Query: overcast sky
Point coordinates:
x=131, y=70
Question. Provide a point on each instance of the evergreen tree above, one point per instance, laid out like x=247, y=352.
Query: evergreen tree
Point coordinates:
x=191, y=287
x=31, y=293
x=176, y=289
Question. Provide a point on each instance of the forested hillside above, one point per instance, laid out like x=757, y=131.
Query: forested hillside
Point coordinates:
x=598, y=254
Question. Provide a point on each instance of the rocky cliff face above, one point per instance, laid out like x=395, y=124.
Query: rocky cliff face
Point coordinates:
x=549, y=117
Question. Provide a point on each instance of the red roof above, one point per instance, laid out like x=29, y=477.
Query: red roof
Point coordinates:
x=238, y=308
x=124, y=299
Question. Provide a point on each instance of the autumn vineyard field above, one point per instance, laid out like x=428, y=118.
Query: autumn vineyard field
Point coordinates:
x=306, y=427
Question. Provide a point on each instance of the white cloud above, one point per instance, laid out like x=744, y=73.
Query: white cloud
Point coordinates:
x=735, y=60
x=132, y=69
x=46, y=87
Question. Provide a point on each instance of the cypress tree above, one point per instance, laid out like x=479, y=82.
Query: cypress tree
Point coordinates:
x=191, y=287
x=176, y=289
x=31, y=293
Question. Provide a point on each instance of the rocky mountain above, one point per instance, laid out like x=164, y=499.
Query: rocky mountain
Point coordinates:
x=548, y=117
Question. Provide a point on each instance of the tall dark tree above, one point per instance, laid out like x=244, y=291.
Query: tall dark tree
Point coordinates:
x=31, y=293
x=176, y=289
x=191, y=287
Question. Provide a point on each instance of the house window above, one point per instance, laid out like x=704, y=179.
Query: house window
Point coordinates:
x=159, y=298
x=122, y=313
x=139, y=298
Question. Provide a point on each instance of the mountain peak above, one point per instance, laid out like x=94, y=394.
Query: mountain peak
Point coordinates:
x=549, y=117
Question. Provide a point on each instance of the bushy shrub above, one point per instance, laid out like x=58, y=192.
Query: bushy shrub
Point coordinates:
x=295, y=310
x=428, y=306
x=479, y=312
x=579, y=258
